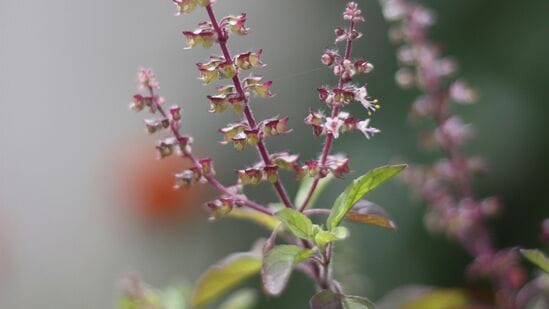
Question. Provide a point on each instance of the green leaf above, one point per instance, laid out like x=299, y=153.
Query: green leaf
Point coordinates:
x=305, y=186
x=538, y=258
x=299, y=224
x=224, y=276
x=369, y=213
x=357, y=302
x=440, y=299
x=322, y=238
x=360, y=187
x=424, y=297
x=326, y=300
x=329, y=300
x=260, y=218
x=278, y=264
x=242, y=299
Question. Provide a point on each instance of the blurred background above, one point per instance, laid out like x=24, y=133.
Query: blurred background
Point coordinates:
x=82, y=199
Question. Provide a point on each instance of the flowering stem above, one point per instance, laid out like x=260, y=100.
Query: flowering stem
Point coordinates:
x=329, y=137
x=262, y=149
x=210, y=178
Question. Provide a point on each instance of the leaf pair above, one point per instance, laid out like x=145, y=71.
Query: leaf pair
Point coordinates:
x=301, y=226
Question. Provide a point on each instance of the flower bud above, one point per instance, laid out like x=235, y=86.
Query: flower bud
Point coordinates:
x=204, y=36
x=312, y=167
x=153, y=125
x=341, y=34
x=353, y=13
x=184, y=6
x=207, y=166
x=218, y=103
x=350, y=124
x=250, y=176
x=138, y=103
x=219, y=208
x=184, y=179
x=252, y=136
x=236, y=24
x=227, y=70
x=300, y=171
x=238, y=104
x=314, y=118
x=231, y=131
x=197, y=173
x=323, y=93
x=208, y=75
x=362, y=66
x=175, y=111
x=274, y=127
x=338, y=165
x=184, y=141
x=147, y=79
x=239, y=142
x=263, y=90
x=284, y=160
x=271, y=172
x=327, y=59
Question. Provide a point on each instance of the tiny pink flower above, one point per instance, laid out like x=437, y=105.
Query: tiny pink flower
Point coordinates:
x=147, y=79
x=364, y=127
x=333, y=126
x=353, y=13
x=462, y=93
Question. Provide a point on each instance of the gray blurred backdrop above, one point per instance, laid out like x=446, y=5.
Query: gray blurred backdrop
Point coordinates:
x=68, y=71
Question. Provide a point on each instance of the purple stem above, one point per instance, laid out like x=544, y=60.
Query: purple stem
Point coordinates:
x=262, y=149
x=329, y=137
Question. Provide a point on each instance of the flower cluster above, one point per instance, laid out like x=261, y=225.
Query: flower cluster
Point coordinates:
x=310, y=245
x=446, y=184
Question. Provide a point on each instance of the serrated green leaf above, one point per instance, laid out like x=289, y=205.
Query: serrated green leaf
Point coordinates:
x=278, y=264
x=538, y=258
x=299, y=224
x=360, y=187
x=242, y=299
x=329, y=300
x=369, y=213
x=260, y=218
x=305, y=186
x=224, y=276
